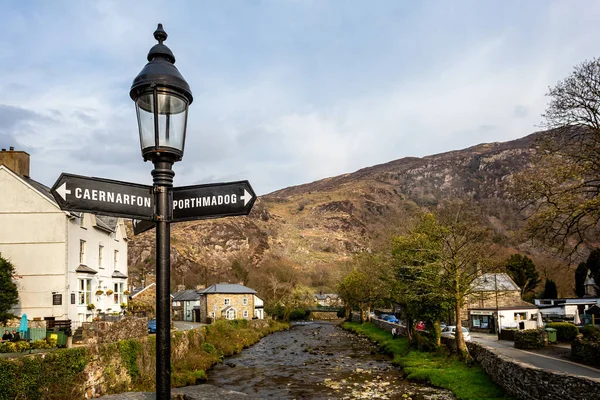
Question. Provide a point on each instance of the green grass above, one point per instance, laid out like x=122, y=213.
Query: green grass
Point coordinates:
x=440, y=368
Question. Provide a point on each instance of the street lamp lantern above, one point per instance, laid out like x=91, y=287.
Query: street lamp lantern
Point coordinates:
x=161, y=97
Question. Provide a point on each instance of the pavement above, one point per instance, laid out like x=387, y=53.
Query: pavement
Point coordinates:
x=554, y=357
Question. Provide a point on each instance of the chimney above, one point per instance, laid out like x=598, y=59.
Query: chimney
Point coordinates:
x=17, y=161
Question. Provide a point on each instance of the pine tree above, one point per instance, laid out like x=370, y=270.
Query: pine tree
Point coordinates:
x=580, y=276
x=550, y=291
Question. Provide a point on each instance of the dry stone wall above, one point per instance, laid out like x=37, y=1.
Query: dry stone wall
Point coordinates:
x=527, y=382
x=99, y=332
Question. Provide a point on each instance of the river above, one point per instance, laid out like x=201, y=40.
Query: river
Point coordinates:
x=317, y=360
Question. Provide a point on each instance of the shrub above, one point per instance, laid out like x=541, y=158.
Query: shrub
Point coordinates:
x=590, y=332
x=298, y=314
x=529, y=339
x=565, y=331
x=586, y=351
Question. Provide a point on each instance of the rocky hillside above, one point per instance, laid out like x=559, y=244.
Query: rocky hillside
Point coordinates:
x=319, y=225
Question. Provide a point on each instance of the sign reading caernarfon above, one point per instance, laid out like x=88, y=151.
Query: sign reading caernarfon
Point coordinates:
x=103, y=196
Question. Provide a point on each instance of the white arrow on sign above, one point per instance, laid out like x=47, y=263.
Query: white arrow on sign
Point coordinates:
x=246, y=197
x=62, y=190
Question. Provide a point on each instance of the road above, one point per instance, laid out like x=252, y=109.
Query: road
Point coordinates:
x=186, y=326
x=550, y=358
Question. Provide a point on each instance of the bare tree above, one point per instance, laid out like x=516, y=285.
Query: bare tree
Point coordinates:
x=561, y=189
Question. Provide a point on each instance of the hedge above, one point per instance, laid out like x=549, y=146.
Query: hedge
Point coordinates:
x=565, y=331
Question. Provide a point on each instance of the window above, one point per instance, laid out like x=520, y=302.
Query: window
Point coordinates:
x=116, y=260
x=227, y=302
x=481, y=321
x=118, y=293
x=100, y=251
x=245, y=313
x=82, y=221
x=230, y=314
x=85, y=291
x=82, y=252
x=245, y=301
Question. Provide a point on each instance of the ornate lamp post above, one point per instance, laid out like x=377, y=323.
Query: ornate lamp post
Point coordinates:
x=162, y=97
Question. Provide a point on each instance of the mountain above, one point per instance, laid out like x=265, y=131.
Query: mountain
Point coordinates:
x=317, y=226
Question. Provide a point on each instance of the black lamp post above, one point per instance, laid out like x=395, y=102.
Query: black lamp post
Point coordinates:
x=162, y=97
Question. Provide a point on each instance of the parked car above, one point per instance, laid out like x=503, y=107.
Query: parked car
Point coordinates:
x=391, y=318
x=152, y=326
x=449, y=332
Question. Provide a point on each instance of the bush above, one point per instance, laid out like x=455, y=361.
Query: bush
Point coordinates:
x=586, y=351
x=590, y=332
x=565, y=331
x=298, y=314
x=529, y=339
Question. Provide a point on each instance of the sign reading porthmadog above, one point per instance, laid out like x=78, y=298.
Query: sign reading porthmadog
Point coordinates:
x=214, y=200
x=104, y=197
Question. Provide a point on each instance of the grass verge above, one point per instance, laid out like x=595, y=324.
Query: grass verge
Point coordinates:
x=441, y=368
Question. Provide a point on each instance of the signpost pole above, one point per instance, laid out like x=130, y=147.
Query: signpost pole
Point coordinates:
x=163, y=182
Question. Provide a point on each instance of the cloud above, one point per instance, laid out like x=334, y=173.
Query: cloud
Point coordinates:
x=285, y=92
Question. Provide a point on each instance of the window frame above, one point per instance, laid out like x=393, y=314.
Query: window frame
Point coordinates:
x=84, y=291
x=100, y=256
x=82, y=252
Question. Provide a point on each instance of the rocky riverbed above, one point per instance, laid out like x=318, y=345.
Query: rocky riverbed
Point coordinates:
x=317, y=361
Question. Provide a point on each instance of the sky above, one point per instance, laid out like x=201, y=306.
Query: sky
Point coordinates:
x=285, y=92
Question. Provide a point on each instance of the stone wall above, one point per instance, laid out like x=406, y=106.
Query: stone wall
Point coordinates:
x=324, y=316
x=16, y=323
x=527, y=382
x=98, y=332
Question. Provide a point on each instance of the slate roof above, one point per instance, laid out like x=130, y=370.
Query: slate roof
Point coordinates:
x=43, y=189
x=105, y=222
x=186, y=295
x=86, y=269
x=324, y=296
x=232, y=288
x=501, y=282
x=118, y=274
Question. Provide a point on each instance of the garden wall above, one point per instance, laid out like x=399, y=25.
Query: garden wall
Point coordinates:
x=527, y=382
x=98, y=332
x=127, y=365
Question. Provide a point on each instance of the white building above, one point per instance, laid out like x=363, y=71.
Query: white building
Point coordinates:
x=64, y=260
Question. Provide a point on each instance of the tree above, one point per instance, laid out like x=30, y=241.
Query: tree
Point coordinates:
x=562, y=188
x=9, y=295
x=365, y=285
x=581, y=274
x=450, y=249
x=522, y=270
x=550, y=291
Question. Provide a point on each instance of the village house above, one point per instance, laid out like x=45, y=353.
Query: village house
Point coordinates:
x=496, y=296
x=186, y=305
x=69, y=265
x=229, y=301
x=328, y=300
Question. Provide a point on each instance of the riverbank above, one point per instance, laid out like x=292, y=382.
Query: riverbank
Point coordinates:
x=128, y=365
x=440, y=369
